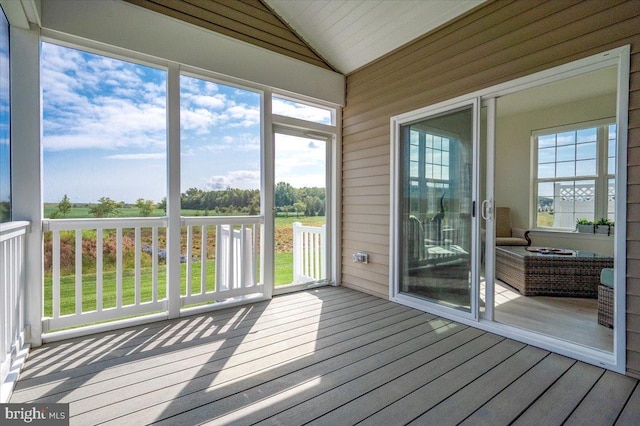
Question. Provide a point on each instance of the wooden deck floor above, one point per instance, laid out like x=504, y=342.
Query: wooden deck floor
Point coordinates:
x=328, y=356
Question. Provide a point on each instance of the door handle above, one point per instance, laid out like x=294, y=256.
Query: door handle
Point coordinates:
x=486, y=209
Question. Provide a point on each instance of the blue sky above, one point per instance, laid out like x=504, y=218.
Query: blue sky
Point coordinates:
x=104, y=132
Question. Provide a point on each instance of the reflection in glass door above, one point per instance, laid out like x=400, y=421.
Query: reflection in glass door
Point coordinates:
x=300, y=210
x=436, y=209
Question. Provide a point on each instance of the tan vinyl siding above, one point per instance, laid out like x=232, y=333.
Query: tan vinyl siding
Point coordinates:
x=497, y=42
x=247, y=20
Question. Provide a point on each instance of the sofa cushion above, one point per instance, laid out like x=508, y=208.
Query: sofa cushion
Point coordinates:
x=606, y=277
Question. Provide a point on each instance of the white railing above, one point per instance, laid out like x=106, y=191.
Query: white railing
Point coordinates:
x=12, y=287
x=236, y=258
x=110, y=282
x=309, y=259
x=107, y=235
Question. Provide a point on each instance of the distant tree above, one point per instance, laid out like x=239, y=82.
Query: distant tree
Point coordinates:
x=285, y=194
x=299, y=207
x=146, y=207
x=163, y=204
x=106, y=207
x=64, y=206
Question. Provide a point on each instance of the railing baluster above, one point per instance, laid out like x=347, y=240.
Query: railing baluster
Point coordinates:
x=316, y=251
x=4, y=305
x=138, y=265
x=254, y=255
x=241, y=257
x=154, y=263
x=203, y=259
x=119, y=268
x=78, y=310
x=11, y=289
x=218, y=261
x=99, y=269
x=305, y=251
x=323, y=252
x=229, y=266
x=55, y=241
x=189, y=262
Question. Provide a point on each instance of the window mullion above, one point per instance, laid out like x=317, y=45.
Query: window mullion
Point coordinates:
x=601, y=179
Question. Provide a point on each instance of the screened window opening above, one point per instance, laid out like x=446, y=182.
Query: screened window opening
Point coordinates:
x=104, y=135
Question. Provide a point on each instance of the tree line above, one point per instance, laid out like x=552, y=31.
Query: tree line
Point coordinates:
x=306, y=201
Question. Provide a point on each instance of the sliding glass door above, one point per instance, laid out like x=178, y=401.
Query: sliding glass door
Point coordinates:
x=436, y=208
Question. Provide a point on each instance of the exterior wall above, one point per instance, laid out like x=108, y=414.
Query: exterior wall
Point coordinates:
x=247, y=20
x=495, y=43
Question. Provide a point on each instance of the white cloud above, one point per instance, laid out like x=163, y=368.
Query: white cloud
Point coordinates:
x=98, y=102
x=241, y=179
x=215, y=102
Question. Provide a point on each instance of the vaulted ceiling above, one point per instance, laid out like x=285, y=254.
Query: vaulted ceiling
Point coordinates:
x=342, y=35
x=349, y=34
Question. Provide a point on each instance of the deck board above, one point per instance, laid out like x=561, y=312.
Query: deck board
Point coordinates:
x=326, y=356
x=557, y=403
x=603, y=404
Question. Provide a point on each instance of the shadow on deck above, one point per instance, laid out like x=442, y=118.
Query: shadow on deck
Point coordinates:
x=328, y=356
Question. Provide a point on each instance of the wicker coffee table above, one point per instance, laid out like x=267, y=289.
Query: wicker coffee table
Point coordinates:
x=576, y=274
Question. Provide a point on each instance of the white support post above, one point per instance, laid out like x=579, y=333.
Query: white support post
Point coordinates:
x=267, y=199
x=26, y=191
x=173, y=190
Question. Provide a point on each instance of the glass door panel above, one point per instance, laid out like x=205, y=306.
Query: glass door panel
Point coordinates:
x=300, y=210
x=436, y=208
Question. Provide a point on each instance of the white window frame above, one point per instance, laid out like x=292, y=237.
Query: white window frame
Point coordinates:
x=600, y=178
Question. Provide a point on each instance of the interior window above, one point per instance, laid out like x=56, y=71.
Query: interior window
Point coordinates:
x=573, y=167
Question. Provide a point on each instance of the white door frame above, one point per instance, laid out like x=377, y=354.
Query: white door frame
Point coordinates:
x=327, y=133
x=615, y=360
x=396, y=195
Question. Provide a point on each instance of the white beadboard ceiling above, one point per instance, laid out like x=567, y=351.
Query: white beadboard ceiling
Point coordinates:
x=352, y=33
